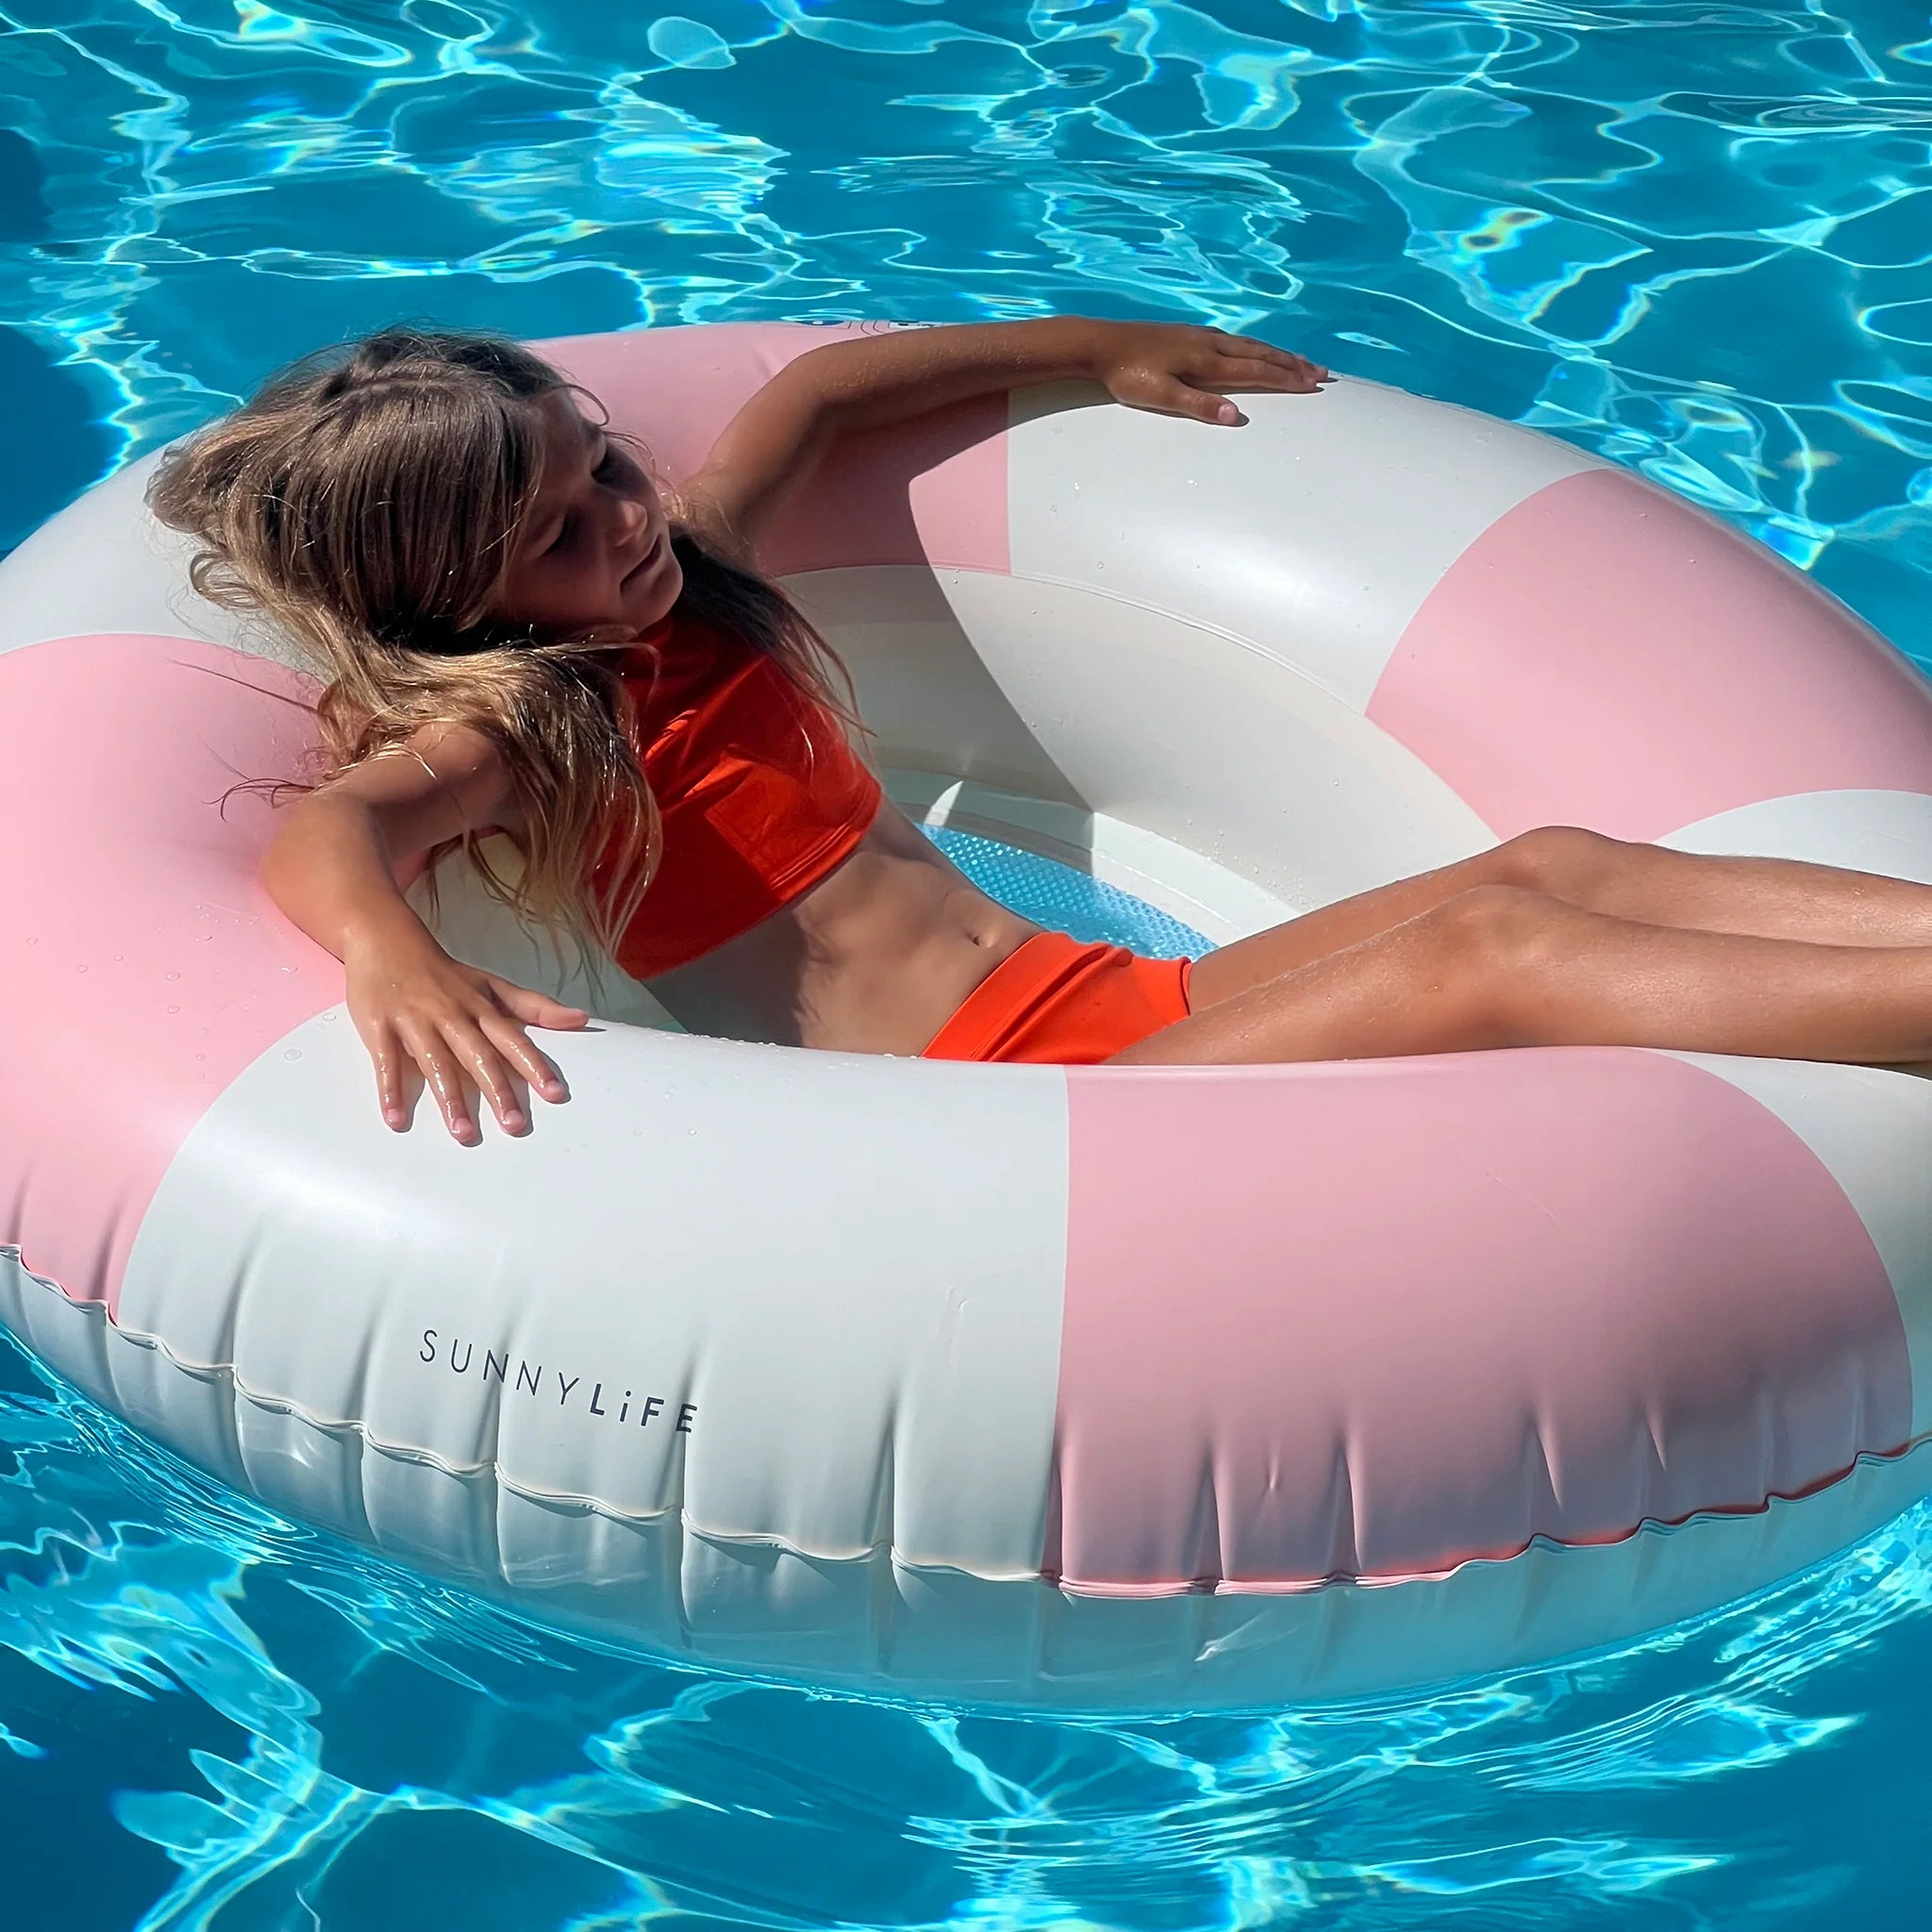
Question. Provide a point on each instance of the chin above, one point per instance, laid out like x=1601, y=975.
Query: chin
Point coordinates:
x=663, y=594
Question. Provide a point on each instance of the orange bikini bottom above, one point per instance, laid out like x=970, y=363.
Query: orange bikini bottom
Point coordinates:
x=1060, y=1001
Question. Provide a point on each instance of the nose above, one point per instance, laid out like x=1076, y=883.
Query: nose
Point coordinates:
x=632, y=520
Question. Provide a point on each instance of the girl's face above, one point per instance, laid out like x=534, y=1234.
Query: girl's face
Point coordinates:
x=594, y=551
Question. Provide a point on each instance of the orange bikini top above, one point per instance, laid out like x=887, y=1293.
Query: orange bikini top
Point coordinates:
x=759, y=793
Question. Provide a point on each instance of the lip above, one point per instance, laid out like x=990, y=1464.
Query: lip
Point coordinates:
x=646, y=560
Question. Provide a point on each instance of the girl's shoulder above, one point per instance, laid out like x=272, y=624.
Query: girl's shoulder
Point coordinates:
x=442, y=780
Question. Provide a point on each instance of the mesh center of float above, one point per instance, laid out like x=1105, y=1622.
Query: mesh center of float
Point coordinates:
x=1058, y=898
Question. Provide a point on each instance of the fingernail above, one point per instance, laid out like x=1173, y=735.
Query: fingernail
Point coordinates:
x=1227, y=413
x=514, y=1121
x=397, y=1118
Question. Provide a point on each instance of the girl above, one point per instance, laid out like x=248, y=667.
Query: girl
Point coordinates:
x=522, y=631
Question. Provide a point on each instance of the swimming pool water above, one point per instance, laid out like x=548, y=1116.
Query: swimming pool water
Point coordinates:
x=1691, y=235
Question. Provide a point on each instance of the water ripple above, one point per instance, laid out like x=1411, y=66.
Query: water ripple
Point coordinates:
x=1576, y=216
x=1689, y=234
x=294, y=1726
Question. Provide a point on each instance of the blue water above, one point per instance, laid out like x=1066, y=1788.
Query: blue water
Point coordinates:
x=1694, y=236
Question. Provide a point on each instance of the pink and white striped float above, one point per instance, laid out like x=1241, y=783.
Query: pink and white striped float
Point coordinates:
x=1088, y=1388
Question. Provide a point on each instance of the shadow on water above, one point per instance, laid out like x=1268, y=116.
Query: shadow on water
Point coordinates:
x=56, y=445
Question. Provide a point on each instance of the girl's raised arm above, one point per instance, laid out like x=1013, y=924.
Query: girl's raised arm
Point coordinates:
x=765, y=453
x=338, y=867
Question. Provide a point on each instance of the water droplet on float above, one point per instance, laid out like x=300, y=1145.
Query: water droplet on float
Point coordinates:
x=117, y=959
x=80, y=969
x=171, y=976
x=294, y=1053
x=33, y=943
x=173, y=1010
x=201, y=1056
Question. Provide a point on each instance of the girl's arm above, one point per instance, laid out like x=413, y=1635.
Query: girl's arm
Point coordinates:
x=336, y=868
x=868, y=382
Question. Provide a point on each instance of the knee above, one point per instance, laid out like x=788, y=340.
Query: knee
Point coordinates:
x=1562, y=862
x=1492, y=923
x=1490, y=944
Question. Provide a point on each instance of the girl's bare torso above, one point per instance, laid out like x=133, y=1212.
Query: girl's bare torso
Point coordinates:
x=873, y=959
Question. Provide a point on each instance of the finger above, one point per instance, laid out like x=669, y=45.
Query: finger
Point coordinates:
x=386, y=1053
x=443, y=1071
x=1250, y=372
x=413, y=1084
x=1266, y=351
x=1205, y=405
x=492, y=1078
x=454, y=1098
x=535, y=1067
x=535, y=1008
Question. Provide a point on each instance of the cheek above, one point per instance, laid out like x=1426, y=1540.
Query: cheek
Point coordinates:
x=583, y=575
x=553, y=591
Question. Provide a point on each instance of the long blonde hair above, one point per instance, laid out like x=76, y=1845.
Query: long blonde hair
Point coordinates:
x=367, y=501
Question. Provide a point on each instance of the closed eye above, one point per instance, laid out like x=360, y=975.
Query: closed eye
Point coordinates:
x=617, y=469
x=612, y=463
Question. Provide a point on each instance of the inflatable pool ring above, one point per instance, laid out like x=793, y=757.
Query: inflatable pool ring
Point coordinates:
x=1081, y=1389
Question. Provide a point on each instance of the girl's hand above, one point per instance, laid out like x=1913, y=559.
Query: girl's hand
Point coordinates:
x=1179, y=369
x=424, y=1016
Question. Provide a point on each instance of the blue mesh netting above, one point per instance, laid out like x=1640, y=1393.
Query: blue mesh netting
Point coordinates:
x=1064, y=900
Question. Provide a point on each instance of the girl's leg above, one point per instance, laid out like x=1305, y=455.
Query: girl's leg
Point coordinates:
x=1769, y=898
x=1497, y=966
